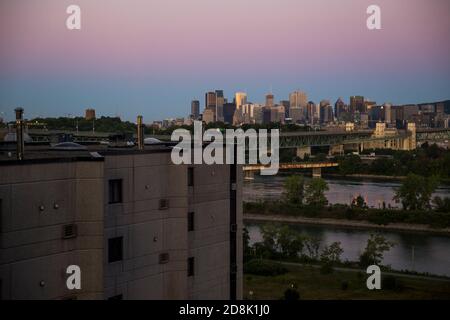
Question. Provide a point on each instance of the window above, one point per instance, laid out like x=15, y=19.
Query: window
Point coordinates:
x=115, y=191
x=69, y=231
x=190, y=177
x=191, y=263
x=164, y=258
x=115, y=249
x=117, y=297
x=191, y=221
x=163, y=204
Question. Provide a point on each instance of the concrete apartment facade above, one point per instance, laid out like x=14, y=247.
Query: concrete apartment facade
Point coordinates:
x=145, y=228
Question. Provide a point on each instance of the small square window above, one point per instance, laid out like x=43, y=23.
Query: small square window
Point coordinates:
x=164, y=258
x=190, y=177
x=115, y=191
x=191, y=265
x=163, y=204
x=115, y=249
x=69, y=231
x=191, y=221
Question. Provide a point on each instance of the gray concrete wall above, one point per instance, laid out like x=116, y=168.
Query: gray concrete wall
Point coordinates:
x=32, y=249
x=147, y=231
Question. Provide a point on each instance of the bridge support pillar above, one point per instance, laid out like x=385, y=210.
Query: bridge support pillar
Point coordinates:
x=317, y=173
x=249, y=175
x=336, y=150
x=303, y=151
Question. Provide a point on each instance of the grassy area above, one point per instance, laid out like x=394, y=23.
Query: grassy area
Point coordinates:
x=313, y=285
x=377, y=216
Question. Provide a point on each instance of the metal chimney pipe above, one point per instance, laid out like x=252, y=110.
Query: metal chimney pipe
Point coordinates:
x=140, y=133
x=19, y=134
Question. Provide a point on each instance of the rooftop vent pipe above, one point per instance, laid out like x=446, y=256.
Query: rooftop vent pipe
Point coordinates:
x=140, y=133
x=19, y=134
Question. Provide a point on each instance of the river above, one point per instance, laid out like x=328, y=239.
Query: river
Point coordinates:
x=412, y=251
x=340, y=191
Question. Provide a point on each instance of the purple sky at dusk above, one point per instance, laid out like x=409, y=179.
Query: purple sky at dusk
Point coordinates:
x=152, y=57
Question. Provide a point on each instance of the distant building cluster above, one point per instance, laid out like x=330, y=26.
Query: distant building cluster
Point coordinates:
x=363, y=112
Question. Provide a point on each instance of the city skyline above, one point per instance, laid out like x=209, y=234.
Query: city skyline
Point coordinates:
x=129, y=60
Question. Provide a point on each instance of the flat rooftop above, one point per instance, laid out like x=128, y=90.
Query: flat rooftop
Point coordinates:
x=45, y=153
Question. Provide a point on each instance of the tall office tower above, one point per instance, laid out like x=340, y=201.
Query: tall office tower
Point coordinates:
x=228, y=112
x=195, y=109
x=210, y=100
x=90, y=114
x=208, y=116
x=266, y=115
x=387, y=113
x=310, y=112
x=357, y=104
x=277, y=114
x=258, y=114
x=298, y=99
x=286, y=105
x=326, y=111
x=296, y=114
x=240, y=99
x=247, y=112
x=220, y=101
x=339, y=108
x=269, y=100
x=440, y=108
x=368, y=104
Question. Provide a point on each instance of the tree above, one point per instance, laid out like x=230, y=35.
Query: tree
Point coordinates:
x=349, y=164
x=376, y=246
x=332, y=253
x=442, y=204
x=359, y=202
x=416, y=191
x=312, y=245
x=290, y=242
x=291, y=294
x=269, y=234
x=294, y=187
x=246, y=240
x=315, y=192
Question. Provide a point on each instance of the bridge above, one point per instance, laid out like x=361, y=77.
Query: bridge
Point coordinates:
x=316, y=167
x=432, y=134
x=381, y=137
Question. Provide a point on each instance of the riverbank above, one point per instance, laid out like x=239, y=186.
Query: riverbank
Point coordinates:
x=373, y=177
x=344, y=223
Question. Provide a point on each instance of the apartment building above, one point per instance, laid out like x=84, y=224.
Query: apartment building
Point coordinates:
x=138, y=226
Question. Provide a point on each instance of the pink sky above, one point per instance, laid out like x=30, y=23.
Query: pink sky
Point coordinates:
x=204, y=38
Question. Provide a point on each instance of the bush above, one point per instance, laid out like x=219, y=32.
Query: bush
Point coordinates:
x=264, y=268
x=344, y=285
x=291, y=295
